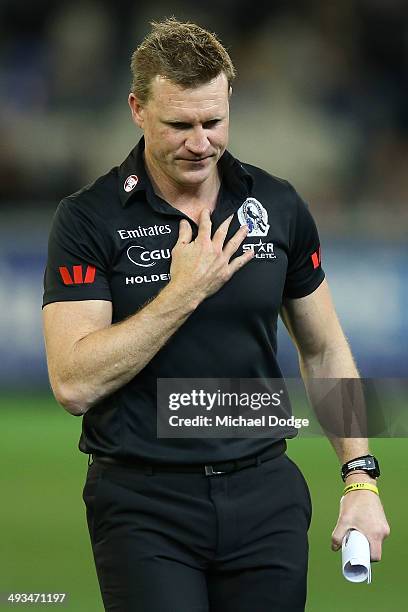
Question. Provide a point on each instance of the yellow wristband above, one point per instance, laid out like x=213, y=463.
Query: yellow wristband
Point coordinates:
x=360, y=486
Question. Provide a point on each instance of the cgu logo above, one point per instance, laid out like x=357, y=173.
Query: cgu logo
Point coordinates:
x=146, y=259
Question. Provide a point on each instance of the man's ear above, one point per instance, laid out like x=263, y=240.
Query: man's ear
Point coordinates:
x=229, y=91
x=137, y=110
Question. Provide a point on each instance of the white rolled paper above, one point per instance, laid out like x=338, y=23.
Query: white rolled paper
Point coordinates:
x=356, y=557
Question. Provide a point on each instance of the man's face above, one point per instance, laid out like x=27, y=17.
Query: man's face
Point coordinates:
x=186, y=130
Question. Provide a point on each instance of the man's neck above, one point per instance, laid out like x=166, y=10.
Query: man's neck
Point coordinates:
x=190, y=200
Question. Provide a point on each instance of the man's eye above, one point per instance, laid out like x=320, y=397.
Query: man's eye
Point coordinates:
x=210, y=124
x=186, y=126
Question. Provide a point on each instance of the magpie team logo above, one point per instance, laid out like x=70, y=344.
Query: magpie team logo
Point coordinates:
x=255, y=216
x=130, y=183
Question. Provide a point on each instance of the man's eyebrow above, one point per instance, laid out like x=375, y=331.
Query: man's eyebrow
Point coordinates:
x=170, y=121
x=180, y=122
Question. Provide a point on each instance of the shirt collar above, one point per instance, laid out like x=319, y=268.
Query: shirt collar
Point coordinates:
x=132, y=171
x=133, y=178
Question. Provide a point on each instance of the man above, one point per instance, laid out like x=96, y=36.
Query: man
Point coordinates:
x=191, y=524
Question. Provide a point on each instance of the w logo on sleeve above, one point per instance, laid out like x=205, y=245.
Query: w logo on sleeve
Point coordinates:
x=78, y=277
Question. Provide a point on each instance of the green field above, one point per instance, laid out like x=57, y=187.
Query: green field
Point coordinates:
x=44, y=538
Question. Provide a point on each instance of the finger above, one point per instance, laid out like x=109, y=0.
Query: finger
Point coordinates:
x=204, y=225
x=375, y=550
x=376, y=542
x=235, y=242
x=185, y=232
x=335, y=545
x=219, y=235
x=239, y=262
x=337, y=537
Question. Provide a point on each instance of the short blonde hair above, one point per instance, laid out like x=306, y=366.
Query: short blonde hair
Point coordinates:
x=184, y=53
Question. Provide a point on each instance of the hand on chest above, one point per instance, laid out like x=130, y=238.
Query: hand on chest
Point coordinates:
x=142, y=265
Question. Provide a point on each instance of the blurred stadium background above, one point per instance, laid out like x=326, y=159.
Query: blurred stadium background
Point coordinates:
x=322, y=100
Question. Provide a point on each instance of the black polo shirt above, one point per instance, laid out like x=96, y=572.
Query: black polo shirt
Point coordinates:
x=112, y=240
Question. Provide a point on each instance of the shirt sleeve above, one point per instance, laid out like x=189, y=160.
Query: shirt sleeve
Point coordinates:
x=77, y=265
x=305, y=271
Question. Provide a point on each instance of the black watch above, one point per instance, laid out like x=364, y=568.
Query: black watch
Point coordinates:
x=367, y=463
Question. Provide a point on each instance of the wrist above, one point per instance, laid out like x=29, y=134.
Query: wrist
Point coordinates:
x=179, y=298
x=359, y=476
x=359, y=487
x=366, y=464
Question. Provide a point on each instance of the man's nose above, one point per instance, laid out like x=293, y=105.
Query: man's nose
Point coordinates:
x=197, y=141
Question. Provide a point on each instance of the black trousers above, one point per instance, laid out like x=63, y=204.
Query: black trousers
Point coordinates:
x=177, y=542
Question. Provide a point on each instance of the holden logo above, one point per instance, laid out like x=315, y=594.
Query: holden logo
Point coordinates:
x=130, y=183
x=140, y=256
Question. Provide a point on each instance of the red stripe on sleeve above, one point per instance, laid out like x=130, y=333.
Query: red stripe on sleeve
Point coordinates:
x=65, y=275
x=77, y=275
x=90, y=274
x=315, y=260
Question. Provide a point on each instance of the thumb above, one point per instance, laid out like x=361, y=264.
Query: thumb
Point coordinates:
x=185, y=232
x=337, y=537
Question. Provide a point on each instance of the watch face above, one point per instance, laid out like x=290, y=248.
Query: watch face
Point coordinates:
x=367, y=463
